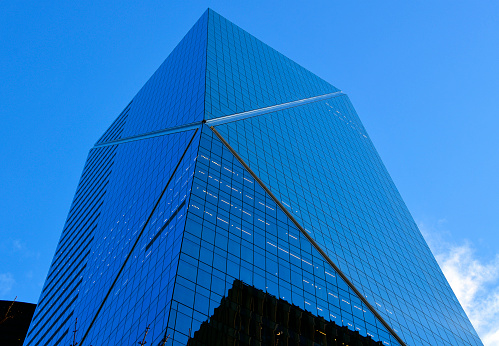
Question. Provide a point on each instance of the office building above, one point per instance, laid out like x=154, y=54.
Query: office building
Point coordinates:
x=14, y=321
x=235, y=164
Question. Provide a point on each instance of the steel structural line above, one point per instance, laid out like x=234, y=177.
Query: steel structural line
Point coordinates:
x=222, y=120
x=175, y=129
x=310, y=239
x=137, y=240
x=265, y=110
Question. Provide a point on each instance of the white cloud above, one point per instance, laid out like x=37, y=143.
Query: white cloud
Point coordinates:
x=6, y=283
x=474, y=281
x=18, y=248
x=17, y=245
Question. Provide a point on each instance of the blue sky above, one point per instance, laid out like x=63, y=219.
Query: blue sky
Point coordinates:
x=423, y=76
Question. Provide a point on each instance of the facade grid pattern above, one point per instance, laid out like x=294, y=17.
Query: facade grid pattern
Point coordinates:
x=166, y=217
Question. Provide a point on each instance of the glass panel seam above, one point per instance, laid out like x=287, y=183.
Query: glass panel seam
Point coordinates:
x=265, y=110
x=309, y=238
x=138, y=238
x=222, y=120
x=168, y=131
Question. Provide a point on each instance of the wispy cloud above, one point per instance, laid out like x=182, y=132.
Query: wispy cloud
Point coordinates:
x=6, y=283
x=17, y=245
x=18, y=248
x=474, y=281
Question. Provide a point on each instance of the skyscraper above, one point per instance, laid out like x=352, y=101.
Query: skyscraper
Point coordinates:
x=234, y=164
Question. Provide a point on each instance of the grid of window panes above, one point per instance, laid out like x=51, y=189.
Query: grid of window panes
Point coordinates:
x=60, y=290
x=243, y=73
x=318, y=160
x=140, y=171
x=235, y=230
x=141, y=295
x=174, y=95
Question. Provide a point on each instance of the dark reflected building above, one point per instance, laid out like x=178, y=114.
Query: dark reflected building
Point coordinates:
x=235, y=163
x=14, y=321
x=249, y=316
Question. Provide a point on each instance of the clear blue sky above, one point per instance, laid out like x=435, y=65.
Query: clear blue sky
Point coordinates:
x=423, y=76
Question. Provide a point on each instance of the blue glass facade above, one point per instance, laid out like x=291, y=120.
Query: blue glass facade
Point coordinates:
x=235, y=163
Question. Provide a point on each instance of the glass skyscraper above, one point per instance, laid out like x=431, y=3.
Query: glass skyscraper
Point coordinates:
x=235, y=167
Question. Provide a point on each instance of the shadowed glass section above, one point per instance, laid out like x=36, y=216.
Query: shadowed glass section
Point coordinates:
x=243, y=73
x=319, y=162
x=235, y=230
x=60, y=291
x=140, y=172
x=174, y=95
x=142, y=294
x=249, y=316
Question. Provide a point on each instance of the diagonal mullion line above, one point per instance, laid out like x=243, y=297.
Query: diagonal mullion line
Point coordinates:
x=310, y=239
x=170, y=130
x=137, y=240
x=265, y=110
x=170, y=219
x=221, y=120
